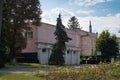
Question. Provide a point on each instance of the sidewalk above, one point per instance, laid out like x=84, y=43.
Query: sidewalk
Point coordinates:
x=17, y=69
x=33, y=69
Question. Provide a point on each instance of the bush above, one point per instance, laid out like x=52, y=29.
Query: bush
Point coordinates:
x=90, y=59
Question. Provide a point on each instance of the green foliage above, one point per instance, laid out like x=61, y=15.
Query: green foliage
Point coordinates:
x=60, y=33
x=107, y=44
x=90, y=59
x=59, y=47
x=73, y=23
x=56, y=57
x=4, y=36
x=16, y=16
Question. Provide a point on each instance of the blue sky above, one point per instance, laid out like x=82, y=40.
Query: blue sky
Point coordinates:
x=104, y=14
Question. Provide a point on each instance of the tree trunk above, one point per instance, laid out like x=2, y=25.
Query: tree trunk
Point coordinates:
x=13, y=61
x=1, y=8
x=13, y=49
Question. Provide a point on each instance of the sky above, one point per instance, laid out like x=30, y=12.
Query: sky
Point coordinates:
x=103, y=14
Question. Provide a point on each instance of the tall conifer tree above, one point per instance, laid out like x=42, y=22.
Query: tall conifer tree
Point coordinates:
x=59, y=47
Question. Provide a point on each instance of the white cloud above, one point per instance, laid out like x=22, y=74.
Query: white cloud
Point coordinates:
x=87, y=2
x=118, y=15
x=110, y=22
x=62, y=11
x=88, y=12
x=109, y=14
x=99, y=24
x=51, y=15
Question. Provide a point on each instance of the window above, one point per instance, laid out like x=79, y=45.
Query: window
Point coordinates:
x=44, y=50
x=68, y=51
x=74, y=52
x=29, y=35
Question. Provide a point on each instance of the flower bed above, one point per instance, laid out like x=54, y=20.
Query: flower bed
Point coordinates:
x=100, y=72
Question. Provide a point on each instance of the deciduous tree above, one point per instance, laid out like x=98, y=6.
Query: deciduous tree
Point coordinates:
x=73, y=23
x=108, y=45
x=19, y=14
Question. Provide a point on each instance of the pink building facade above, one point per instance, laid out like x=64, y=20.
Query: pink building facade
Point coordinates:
x=42, y=39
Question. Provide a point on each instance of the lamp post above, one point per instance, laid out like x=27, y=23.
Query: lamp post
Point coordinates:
x=1, y=8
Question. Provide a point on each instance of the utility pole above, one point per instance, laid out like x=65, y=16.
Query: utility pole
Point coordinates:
x=1, y=8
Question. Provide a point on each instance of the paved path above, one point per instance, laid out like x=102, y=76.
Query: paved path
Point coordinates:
x=17, y=70
x=33, y=69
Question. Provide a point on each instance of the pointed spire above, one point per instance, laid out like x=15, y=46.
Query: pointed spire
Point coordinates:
x=90, y=27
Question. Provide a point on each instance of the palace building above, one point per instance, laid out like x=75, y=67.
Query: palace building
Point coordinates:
x=41, y=38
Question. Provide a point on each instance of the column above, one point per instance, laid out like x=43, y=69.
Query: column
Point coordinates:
x=66, y=57
x=50, y=52
x=47, y=52
x=78, y=52
x=39, y=54
x=71, y=57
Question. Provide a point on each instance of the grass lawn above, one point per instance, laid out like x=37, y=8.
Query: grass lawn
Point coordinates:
x=21, y=76
x=24, y=65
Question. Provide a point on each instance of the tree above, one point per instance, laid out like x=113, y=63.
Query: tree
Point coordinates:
x=4, y=35
x=73, y=23
x=1, y=5
x=19, y=14
x=59, y=47
x=2, y=55
x=107, y=44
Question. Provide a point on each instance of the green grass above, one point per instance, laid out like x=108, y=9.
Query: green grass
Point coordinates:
x=21, y=76
x=24, y=65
